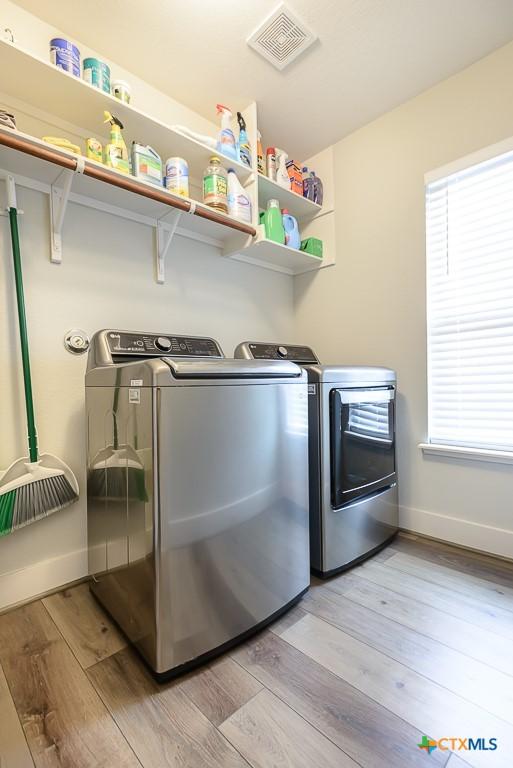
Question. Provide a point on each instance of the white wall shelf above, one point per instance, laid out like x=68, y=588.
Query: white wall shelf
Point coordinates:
x=298, y=206
x=73, y=100
x=158, y=210
x=279, y=258
x=75, y=107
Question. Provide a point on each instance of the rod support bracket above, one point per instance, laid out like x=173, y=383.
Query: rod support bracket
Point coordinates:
x=165, y=233
x=59, y=197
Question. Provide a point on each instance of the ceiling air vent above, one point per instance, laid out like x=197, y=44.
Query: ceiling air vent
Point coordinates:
x=281, y=38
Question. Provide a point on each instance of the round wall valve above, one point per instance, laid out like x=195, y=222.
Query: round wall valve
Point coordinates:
x=76, y=341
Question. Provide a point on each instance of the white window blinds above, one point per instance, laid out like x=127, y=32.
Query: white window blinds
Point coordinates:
x=469, y=238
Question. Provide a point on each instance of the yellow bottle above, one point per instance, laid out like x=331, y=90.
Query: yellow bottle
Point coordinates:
x=116, y=153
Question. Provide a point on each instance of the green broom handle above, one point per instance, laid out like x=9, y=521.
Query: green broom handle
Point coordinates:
x=18, y=277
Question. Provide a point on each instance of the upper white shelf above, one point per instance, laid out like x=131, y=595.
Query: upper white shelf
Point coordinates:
x=106, y=194
x=48, y=88
x=298, y=206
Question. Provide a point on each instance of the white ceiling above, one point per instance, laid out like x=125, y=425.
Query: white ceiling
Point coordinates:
x=371, y=55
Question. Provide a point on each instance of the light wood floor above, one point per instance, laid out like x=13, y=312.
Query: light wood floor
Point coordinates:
x=417, y=641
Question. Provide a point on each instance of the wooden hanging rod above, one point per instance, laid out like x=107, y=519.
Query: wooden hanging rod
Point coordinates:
x=128, y=183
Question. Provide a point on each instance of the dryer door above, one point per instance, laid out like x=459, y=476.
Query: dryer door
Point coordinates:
x=362, y=439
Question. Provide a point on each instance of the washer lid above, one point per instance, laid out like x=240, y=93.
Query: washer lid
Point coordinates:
x=351, y=375
x=231, y=369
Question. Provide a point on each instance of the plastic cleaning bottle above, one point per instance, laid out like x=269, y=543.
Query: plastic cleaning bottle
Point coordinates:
x=226, y=143
x=260, y=155
x=290, y=225
x=273, y=222
x=244, y=145
x=146, y=164
x=306, y=181
x=239, y=204
x=317, y=188
x=215, y=186
x=282, y=175
x=271, y=163
x=116, y=153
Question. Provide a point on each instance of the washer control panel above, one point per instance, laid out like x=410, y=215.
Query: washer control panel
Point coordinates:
x=122, y=343
x=293, y=352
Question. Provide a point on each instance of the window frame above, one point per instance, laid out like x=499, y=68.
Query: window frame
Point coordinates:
x=429, y=447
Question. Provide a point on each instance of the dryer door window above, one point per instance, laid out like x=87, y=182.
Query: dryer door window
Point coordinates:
x=362, y=442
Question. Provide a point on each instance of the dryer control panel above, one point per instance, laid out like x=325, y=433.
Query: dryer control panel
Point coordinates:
x=262, y=351
x=129, y=344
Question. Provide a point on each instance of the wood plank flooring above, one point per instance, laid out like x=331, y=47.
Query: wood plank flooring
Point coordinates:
x=416, y=642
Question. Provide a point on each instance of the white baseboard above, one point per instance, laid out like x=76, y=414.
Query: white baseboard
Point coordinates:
x=485, y=538
x=44, y=576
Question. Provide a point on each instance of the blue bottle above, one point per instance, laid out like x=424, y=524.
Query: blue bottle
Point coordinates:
x=292, y=236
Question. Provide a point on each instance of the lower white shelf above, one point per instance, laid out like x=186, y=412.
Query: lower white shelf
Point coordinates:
x=280, y=258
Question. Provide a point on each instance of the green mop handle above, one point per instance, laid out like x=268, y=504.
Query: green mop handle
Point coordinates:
x=22, y=320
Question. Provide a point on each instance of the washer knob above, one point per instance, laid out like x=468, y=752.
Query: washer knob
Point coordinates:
x=163, y=343
x=282, y=351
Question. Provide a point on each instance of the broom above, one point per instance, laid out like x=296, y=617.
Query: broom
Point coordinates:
x=34, y=486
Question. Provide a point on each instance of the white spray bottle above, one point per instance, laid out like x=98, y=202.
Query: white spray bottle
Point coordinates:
x=282, y=174
x=226, y=143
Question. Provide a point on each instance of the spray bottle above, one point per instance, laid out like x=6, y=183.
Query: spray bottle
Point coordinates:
x=260, y=155
x=116, y=153
x=226, y=138
x=282, y=174
x=244, y=145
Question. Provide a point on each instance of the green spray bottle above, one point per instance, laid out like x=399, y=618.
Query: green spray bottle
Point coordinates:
x=116, y=153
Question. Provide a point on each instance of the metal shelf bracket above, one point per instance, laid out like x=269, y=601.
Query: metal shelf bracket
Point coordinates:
x=59, y=198
x=165, y=234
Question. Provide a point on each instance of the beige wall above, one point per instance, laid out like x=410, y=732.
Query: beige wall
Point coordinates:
x=370, y=307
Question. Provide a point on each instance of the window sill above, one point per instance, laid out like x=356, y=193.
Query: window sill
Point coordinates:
x=474, y=454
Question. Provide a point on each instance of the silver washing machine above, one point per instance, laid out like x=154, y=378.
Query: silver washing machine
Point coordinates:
x=197, y=492
x=352, y=472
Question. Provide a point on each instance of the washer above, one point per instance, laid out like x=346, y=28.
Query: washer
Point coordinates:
x=352, y=471
x=197, y=492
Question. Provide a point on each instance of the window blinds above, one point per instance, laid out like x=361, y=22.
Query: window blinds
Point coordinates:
x=469, y=245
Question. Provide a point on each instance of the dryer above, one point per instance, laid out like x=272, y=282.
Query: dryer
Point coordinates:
x=197, y=492
x=352, y=463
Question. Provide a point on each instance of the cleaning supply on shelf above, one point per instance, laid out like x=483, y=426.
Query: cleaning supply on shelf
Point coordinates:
x=273, y=222
x=94, y=150
x=290, y=225
x=215, y=186
x=244, y=145
x=97, y=73
x=116, y=153
x=65, y=55
x=7, y=119
x=313, y=246
x=146, y=164
x=318, y=192
x=296, y=180
x=121, y=90
x=38, y=484
x=271, y=163
x=226, y=143
x=177, y=176
x=260, y=155
x=282, y=175
x=239, y=204
x=57, y=141
x=207, y=140
x=307, y=183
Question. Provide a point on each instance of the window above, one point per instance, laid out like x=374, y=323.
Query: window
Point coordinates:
x=469, y=246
